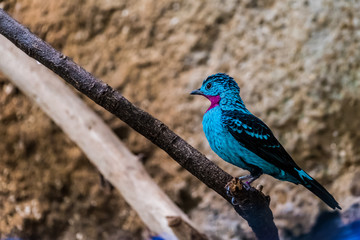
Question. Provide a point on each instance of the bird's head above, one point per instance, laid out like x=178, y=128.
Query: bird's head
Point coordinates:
x=217, y=87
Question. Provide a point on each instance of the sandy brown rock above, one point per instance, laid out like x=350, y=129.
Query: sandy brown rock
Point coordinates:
x=297, y=63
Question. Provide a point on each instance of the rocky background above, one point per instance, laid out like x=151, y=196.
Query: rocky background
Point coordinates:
x=298, y=66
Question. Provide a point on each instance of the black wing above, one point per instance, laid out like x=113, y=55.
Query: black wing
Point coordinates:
x=254, y=135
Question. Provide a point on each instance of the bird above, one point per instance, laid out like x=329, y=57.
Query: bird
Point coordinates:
x=242, y=139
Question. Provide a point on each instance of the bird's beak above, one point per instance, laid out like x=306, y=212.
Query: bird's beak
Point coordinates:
x=196, y=92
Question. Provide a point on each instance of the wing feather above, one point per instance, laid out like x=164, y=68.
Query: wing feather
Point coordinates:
x=253, y=134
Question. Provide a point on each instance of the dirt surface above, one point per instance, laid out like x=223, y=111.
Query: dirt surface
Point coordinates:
x=297, y=63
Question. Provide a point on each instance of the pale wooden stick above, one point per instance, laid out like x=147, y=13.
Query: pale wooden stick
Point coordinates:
x=90, y=133
x=183, y=230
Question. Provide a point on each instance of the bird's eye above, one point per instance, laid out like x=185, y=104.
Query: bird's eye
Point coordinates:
x=208, y=86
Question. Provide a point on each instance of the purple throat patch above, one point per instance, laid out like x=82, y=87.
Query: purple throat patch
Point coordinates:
x=214, y=101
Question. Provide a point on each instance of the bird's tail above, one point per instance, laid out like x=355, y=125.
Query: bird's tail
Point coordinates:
x=317, y=189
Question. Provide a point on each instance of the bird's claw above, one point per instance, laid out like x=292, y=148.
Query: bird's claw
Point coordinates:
x=230, y=188
x=247, y=186
x=228, y=192
x=234, y=201
x=244, y=177
x=236, y=183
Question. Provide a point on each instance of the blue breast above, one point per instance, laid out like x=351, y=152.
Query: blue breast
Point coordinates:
x=221, y=141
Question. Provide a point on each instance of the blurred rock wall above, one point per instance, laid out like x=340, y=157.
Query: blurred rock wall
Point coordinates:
x=297, y=63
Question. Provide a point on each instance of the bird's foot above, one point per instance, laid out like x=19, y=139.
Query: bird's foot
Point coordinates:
x=231, y=187
x=228, y=192
x=235, y=190
x=247, y=185
x=252, y=177
x=234, y=201
x=244, y=177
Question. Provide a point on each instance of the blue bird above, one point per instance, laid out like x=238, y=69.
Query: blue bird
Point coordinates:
x=245, y=141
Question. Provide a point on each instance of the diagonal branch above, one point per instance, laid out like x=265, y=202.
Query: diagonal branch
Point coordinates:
x=254, y=206
x=96, y=140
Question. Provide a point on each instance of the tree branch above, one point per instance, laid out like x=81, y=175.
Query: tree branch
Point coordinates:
x=254, y=205
x=90, y=133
